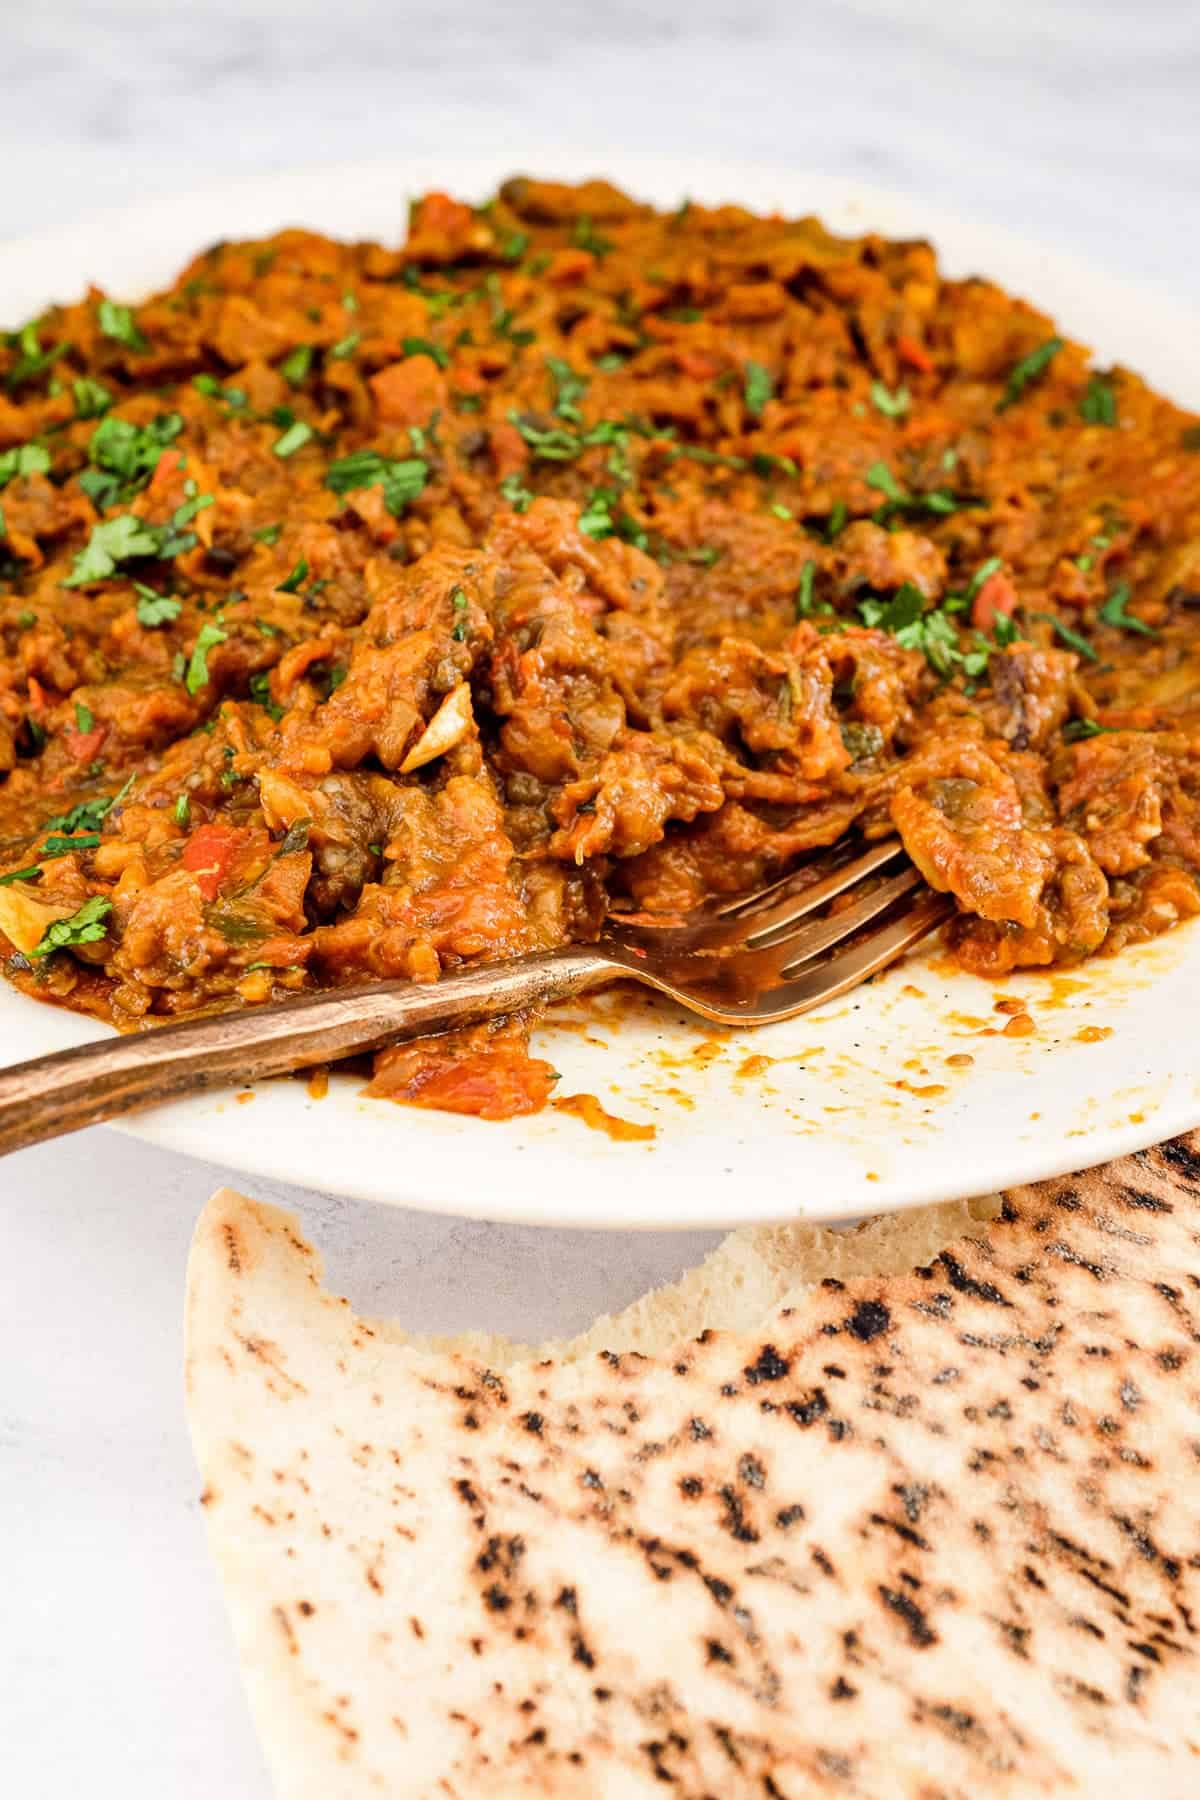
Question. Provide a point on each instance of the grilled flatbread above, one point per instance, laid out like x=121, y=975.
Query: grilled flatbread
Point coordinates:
x=931, y=1534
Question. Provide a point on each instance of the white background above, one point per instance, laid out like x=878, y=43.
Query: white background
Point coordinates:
x=1068, y=121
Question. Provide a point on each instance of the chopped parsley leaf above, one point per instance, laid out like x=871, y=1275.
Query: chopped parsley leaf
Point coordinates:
x=87, y=926
x=516, y=493
x=293, y=439
x=403, y=481
x=419, y=346
x=92, y=398
x=806, y=601
x=295, y=580
x=1114, y=612
x=66, y=846
x=296, y=364
x=1072, y=638
x=1099, y=403
x=196, y=675
x=23, y=459
x=1075, y=730
x=1029, y=368
x=891, y=405
x=33, y=360
x=585, y=237
x=155, y=609
x=113, y=541
x=758, y=388
x=88, y=815
x=117, y=322
x=260, y=692
x=569, y=389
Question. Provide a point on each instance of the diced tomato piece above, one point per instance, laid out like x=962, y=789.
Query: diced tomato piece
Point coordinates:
x=915, y=355
x=84, y=746
x=701, y=365
x=208, y=854
x=996, y=596
x=569, y=265
x=409, y=392
x=438, y=212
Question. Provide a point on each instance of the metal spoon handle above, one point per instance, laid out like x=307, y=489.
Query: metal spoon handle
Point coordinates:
x=64, y=1092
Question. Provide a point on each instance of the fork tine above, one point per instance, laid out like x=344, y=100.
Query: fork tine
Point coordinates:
x=813, y=939
x=818, y=981
x=842, y=871
x=773, y=912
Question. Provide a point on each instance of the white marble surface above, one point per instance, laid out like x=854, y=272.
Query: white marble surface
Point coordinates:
x=1064, y=120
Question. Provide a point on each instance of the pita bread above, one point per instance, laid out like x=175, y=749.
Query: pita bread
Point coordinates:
x=932, y=1534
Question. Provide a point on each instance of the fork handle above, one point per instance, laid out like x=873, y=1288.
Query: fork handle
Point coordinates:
x=64, y=1092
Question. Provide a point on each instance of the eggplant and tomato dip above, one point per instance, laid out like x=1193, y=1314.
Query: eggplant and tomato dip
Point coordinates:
x=366, y=612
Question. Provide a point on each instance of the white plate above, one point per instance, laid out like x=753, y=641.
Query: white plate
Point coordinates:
x=857, y=1108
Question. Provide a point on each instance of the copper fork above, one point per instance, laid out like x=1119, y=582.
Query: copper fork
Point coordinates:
x=755, y=959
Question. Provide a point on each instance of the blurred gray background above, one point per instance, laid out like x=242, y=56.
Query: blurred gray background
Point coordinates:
x=1069, y=122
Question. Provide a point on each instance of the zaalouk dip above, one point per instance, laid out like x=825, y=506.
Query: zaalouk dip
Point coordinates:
x=367, y=612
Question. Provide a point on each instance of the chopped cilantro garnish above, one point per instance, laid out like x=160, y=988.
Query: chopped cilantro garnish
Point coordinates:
x=267, y=534
x=403, y=481
x=839, y=512
x=880, y=477
x=87, y=926
x=1029, y=368
x=758, y=388
x=419, y=346
x=84, y=719
x=585, y=237
x=88, y=815
x=345, y=346
x=196, y=675
x=296, y=364
x=596, y=520
x=66, y=846
x=260, y=691
x=516, y=493
x=1099, y=403
x=1072, y=638
x=235, y=398
x=23, y=459
x=124, y=456
x=117, y=322
x=513, y=246
x=1075, y=730
x=891, y=405
x=1114, y=612
x=92, y=398
x=33, y=360
x=806, y=601
x=31, y=872
x=293, y=439
x=295, y=579
x=983, y=573
x=183, y=811
x=113, y=541
x=569, y=389
x=155, y=609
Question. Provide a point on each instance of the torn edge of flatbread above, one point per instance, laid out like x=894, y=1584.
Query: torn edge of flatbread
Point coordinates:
x=751, y=1272
x=911, y=1534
